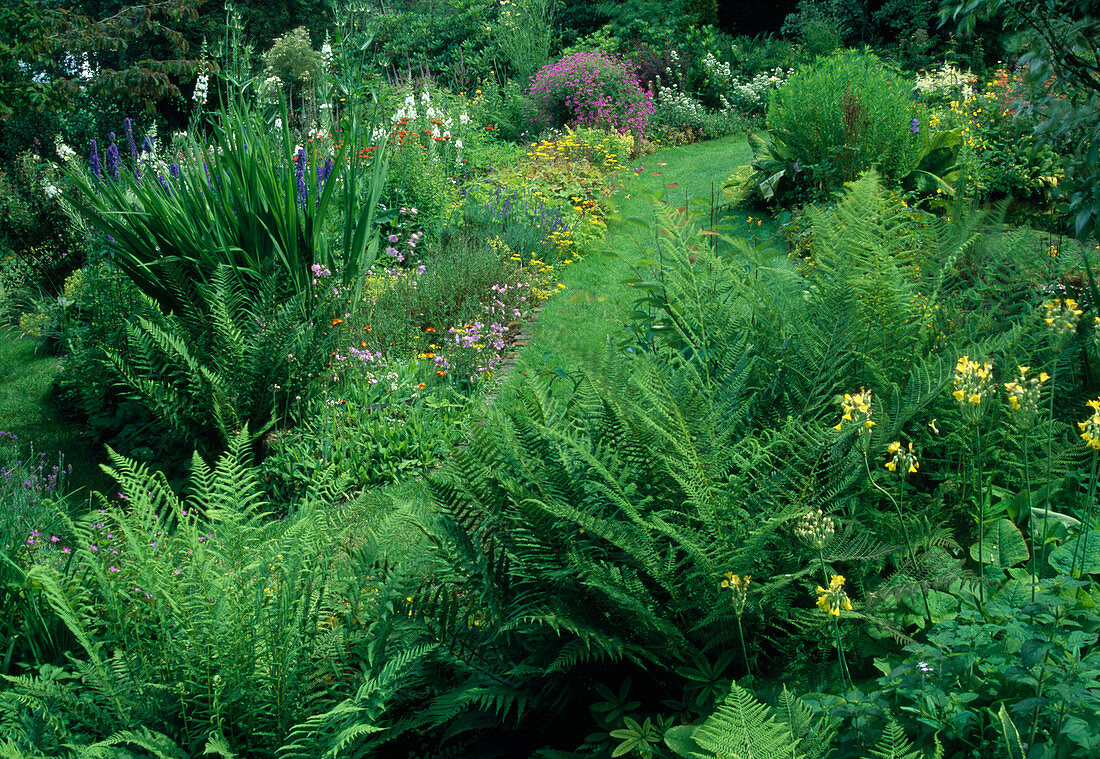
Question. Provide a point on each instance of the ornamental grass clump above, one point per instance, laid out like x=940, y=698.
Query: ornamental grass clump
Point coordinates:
x=596, y=90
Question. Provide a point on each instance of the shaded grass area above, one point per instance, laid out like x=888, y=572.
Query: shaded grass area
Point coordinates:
x=26, y=410
x=579, y=322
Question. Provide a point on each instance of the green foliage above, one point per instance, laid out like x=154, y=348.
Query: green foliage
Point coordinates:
x=843, y=115
x=243, y=203
x=33, y=491
x=240, y=359
x=1015, y=672
x=743, y=727
x=200, y=602
x=373, y=434
x=522, y=34
x=1055, y=40
x=35, y=38
x=442, y=38
x=39, y=243
x=293, y=59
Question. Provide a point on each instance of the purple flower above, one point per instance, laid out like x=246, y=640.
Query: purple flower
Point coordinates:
x=164, y=183
x=147, y=144
x=130, y=137
x=914, y=126
x=93, y=159
x=174, y=170
x=323, y=172
x=300, y=175
x=112, y=161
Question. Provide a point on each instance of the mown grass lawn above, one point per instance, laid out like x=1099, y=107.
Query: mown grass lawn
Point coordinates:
x=27, y=411
x=578, y=322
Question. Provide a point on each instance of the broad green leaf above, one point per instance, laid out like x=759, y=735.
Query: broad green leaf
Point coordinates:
x=681, y=740
x=1086, y=548
x=1004, y=545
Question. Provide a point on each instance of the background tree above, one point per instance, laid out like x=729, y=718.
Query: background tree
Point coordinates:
x=49, y=55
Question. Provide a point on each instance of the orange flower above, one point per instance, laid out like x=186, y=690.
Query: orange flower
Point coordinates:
x=488, y=126
x=362, y=345
x=421, y=386
x=429, y=329
x=337, y=321
x=440, y=372
x=366, y=328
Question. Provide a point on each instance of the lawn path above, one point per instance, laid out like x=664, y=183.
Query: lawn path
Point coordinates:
x=578, y=322
x=27, y=412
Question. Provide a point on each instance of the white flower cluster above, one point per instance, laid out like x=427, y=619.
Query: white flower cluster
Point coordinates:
x=202, y=85
x=716, y=69
x=64, y=152
x=751, y=96
x=439, y=124
x=946, y=82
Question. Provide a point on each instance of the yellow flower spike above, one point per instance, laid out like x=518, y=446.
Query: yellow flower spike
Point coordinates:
x=932, y=426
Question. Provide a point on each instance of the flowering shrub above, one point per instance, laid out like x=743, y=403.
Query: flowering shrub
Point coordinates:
x=999, y=152
x=941, y=86
x=596, y=90
x=750, y=96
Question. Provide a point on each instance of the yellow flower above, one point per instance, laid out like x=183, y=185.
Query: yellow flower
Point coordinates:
x=973, y=383
x=902, y=460
x=738, y=587
x=860, y=404
x=1090, y=428
x=834, y=598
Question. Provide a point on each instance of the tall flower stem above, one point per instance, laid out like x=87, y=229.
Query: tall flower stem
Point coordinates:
x=1083, y=541
x=845, y=675
x=981, y=512
x=744, y=648
x=1027, y=486
x=1050, y=453
x=904, y=532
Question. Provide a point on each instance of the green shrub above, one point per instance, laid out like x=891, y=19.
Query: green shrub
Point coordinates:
x=845, y=114
x=293, y=60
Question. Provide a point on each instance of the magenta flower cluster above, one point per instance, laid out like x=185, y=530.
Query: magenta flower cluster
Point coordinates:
x=596, y=90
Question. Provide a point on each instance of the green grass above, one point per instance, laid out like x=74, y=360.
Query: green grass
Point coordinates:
x=578, y=322
x=26, y=411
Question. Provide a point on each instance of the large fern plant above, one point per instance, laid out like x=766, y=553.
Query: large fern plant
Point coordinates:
x=197, y=617
x=235, y=358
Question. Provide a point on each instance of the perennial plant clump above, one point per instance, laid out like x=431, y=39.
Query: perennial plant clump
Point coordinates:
x=597, y=90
